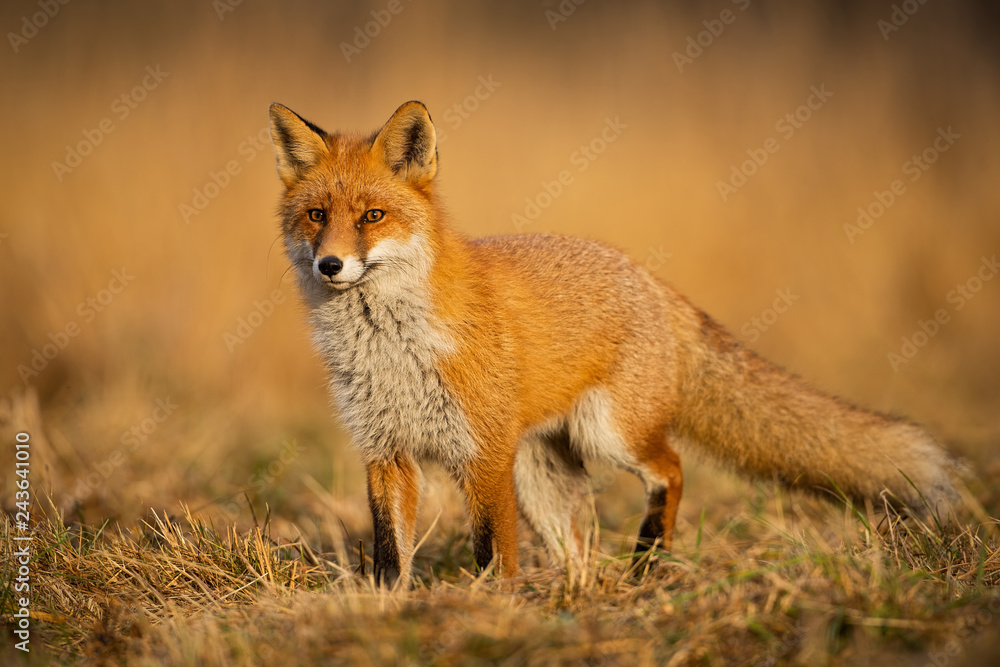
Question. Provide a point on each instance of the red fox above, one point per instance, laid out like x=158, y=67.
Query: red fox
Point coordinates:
x=514, y=360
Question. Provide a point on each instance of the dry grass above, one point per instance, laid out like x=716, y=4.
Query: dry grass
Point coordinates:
x=229, y=533
x=789, y=583
x=767, y=578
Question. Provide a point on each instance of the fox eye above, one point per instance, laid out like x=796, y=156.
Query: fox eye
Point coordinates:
x=317, y=214
x=374, y=215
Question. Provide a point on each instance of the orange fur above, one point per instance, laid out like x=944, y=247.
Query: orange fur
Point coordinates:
x=512, y=360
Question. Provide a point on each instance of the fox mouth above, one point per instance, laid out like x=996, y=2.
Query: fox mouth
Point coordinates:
x=358, y=272
x=341, y=285
x=338, y=273
x=344, y=285
x=369, y=267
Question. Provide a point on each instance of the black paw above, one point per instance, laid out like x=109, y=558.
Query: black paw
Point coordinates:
x=386, y=574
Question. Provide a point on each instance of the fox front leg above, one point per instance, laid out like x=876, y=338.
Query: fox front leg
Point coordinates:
x=393, y=495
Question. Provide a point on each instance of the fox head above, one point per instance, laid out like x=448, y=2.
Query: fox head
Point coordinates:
x=356, y=209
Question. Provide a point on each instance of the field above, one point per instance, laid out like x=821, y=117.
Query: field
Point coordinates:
x=193, y=497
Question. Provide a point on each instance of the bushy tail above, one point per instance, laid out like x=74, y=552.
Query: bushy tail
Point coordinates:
x=748, y=413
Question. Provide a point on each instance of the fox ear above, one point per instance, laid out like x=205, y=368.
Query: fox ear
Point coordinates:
x=298, y=143
x=408, y=144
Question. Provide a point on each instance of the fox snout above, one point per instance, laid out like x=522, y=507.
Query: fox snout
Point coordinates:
x=338, y=272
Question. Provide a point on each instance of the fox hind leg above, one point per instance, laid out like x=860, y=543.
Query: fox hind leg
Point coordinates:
x=552, y=485
x=490, y=499
x=660, y=472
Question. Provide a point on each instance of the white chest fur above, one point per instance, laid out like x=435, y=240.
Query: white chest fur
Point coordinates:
x=381, y=351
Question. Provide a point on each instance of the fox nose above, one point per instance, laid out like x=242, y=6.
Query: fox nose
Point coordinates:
x=330, y=266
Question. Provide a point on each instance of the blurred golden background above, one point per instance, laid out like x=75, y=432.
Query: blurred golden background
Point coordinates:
x=138, y=252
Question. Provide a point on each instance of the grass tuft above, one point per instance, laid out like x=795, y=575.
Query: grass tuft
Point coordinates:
x=172, y=589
